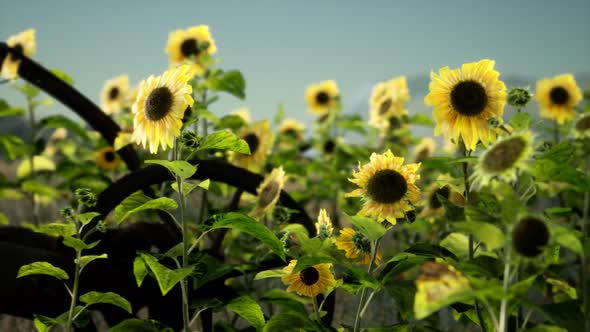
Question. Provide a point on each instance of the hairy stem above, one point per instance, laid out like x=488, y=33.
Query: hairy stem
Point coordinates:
x=33, y=129
x=357, y=319
x=185, y=246
x=503, y=324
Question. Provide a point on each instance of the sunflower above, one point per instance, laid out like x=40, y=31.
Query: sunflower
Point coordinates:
x=22, y=43
x=191, y=45
x=311, y=281
x=160, y=106
x=464, y=99
x=436, y=282
x=322, y=97
x=434, y=206
x=388, y=99
x=269, y=191
x=530, y=236
x=107, y=158
x=557, y=97
x=424, y=149
x=260, y=140
x=582, y=126
x=292, y=128
x=324, y=226
x=387, y=187
x=113, y=94
x=356, y=246
x=503, y=159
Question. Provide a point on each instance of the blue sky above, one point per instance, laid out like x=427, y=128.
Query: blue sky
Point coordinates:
x=282, y=47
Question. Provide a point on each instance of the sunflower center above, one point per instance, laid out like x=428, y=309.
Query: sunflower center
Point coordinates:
x=252, y=141
x=158, y=103
x=268, y=193
x=322, y=98
x=18, y=48
x=583, y=124
x=434, y=201
x=309, y=276
x=114, y=93
x=109, y=156
x=503, y=155
x=384, y=107
x=329, y=146
x=469, y=98
x=361, y=243
x=290, y=132
x=387, y=186
x=394, y=122
x=559, y=95
x=189, y=47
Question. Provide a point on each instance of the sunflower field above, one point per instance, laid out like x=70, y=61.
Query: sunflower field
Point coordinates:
x=154, y=212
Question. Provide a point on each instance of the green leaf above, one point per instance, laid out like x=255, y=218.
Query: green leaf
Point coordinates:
x=40, y=163
x=13, y=146
x=225, y=140
x=180, y=168
x=422, y=119
x=35, y=187
x=561, y=285
x=42, y=268
x=11, y=111
x=62, y=76
x=187, y=187
x=354, y=279
x=269, y=274
x=372, y=229
x=248, y=309
x=565, y=237
x=520, y=121
x=307, y=261
x=28, y=90
x=85, y=260
x=85, y=218
x=231, y=121
x=167, y=278
x=140, y=325
x=78, y=244
x=286, y=300
x=140, y=270
x=487, y=233
x=287, y=321
x=57, y=229
x=205, y=184
x=251, y=227
x=60, y=121
x=546, y=328
x=3, y=219
x=115, y=299
x=231, y=82
x=138, y=202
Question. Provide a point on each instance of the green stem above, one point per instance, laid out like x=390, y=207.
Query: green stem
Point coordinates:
x=316, y=311
x=74, y=292
x=185, y=245
x=503, y=324
x=357, y=319
x=33, y=128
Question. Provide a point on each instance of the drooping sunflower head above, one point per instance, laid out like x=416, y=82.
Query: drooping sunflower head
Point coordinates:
x=435, y=283
x=269, y=191
x=107, y=158
x=311, y=281
x=292, y=128
x=324, y=226
x=114, y=93
x=159, y=108
x=322, y=97
x=530, y=236
x=557, y=97
x=582, y=126
x=503, y=159
x=387, y=187
x=22, y=43
x=356, y=246
x=260, y=140
x=464, y=99
x=191, y=45
x=424, y=149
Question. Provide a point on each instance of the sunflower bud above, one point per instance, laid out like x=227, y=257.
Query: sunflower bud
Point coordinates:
x=519, y=97
x=86, y=197
x=530, y=236
x=190, y=140
x=67, y=213
x=101, y=227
